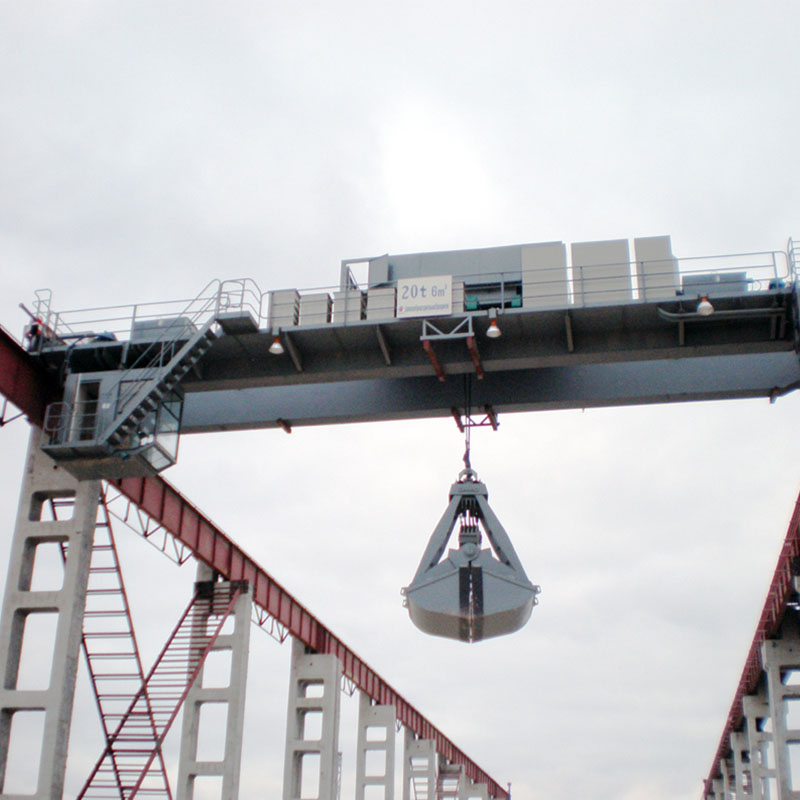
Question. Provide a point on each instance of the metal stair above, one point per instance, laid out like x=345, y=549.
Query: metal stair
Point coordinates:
x=149, y=384
x=108, y=639
x=112, y=654
x=125, y=768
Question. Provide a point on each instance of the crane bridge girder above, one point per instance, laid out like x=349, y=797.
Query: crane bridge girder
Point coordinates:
x=523, y=332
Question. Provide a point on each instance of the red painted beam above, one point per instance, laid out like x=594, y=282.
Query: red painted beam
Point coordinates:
x=29, y=389
x=475, y=356
x=21, y=381
x=780, y=590
x=431, y=353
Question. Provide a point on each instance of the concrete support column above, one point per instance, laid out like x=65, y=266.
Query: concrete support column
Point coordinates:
x=34, y=588
x=312, y=729
x=419, y=767
x=476, y=791
x=756, y=711
x=742, y=778
x=728, y=781
x=778, y=658
x=452, y=781
x=219, y=686
x=376, y=745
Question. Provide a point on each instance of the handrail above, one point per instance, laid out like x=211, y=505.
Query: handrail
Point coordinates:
x=559, y=286
x=151, y=359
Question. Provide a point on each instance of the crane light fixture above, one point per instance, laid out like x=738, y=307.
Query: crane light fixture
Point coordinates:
x=493, y=331
x=704, y=307
x=276, y=348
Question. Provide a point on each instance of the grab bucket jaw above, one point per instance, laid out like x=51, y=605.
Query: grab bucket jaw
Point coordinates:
x=472, y=593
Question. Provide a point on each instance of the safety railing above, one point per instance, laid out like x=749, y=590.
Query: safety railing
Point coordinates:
x=141, y=320
x=65, y=422
x=563, y=286
x=568, y=285
x=160, y=351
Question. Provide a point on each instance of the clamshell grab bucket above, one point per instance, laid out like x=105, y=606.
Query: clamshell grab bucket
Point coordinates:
x=472, y=593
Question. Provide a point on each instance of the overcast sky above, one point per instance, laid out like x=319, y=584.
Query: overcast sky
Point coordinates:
x=146, y=148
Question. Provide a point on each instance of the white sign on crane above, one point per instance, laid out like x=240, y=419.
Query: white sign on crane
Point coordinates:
x=427, y=296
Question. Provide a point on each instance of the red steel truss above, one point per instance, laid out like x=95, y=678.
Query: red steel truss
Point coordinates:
x=112, y=656
x=21, y=381
x=124, y=767
x=25, y=386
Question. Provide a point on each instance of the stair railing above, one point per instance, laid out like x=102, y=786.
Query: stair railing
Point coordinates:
x=148, y=364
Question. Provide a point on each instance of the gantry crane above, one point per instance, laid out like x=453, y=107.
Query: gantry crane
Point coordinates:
x=520, y=328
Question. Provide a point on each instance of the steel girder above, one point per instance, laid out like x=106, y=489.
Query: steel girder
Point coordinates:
x=21, y=381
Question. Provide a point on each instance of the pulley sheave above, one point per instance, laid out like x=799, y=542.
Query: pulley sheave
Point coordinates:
x=472, y=593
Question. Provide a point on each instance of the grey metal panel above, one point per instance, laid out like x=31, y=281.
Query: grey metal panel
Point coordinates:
x=715, y=284
x=601, y=272
x=458, y=297
x=315, y=309
x=378, y=271
x=544, y=275
x=580, y=386
x=381, y=303
x=656, y=268
x=150, y=330
x=283, y=308
x=485, y=265
x=348, y=305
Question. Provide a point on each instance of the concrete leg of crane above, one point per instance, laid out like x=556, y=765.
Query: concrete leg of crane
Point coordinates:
x=755, y=709
x=779, y=658
x=311, y=767
x=742, y=777
x=452, y=782
x=717, y=791
x=477, y=791
x=223, y=690
x=55, y=511
x=728, y=780
x=376, y=745
x=419, y=767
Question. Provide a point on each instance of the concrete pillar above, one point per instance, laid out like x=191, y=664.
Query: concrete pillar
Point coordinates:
x=419, y=767
x=741, y=764
x=64, y=599
x=220, y=683
x=726, y=770
x=476, y=791
x=312, y=728
x=376, y=735
x=779, y=657
x=756, y=711
x=452, y=782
